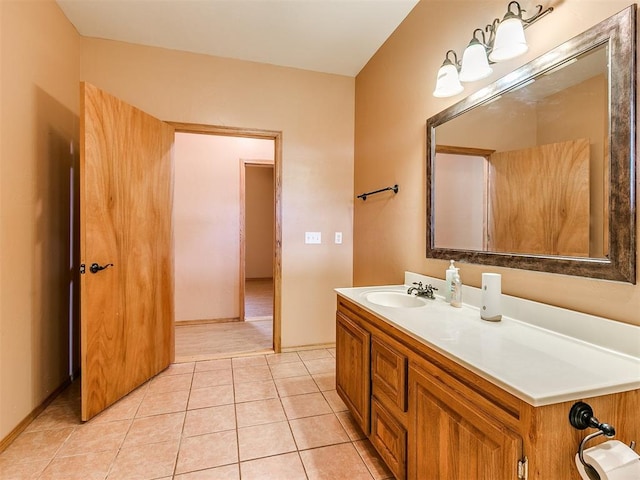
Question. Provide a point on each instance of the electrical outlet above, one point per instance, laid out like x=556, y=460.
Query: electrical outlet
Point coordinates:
x=338, y=239
x=312, y=237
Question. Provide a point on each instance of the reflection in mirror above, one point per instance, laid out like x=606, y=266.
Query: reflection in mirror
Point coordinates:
x=548, y=137
x=528, y=172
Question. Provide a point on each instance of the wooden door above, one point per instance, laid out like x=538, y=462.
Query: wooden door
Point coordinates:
x=539, y=200
x=353, y=381
x=449, y=439
x=126, y=187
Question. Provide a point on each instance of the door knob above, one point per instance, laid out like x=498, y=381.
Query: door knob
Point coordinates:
x=95, y=268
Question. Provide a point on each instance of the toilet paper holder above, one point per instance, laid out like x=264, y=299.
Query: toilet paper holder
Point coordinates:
x=581, y=417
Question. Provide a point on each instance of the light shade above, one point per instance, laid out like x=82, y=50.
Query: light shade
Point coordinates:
x=447, y=84
x=475, y=65
x=510, y=41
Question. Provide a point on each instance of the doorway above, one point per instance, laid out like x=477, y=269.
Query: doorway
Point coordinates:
x=210, y=314
x=257, y=221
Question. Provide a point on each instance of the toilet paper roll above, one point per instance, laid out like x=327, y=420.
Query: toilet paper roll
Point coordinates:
x=491, y=308
x=613, y=460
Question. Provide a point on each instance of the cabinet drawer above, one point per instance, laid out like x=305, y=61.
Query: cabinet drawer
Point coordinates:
x=389, y=375
x=389, y=438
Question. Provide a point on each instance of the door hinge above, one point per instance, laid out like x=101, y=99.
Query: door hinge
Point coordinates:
x=523, y=469
x=82, y=269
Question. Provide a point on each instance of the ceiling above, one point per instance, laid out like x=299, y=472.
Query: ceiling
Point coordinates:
x=331, y=36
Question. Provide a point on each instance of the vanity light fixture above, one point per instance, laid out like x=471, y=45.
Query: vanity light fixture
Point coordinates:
x=475, y=65
x=506, y=41
x=448, y=84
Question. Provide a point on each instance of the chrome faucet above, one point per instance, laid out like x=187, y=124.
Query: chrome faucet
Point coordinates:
x=422, y=291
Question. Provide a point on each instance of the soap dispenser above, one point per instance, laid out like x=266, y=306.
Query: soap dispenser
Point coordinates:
x=456, y=290
x=451, y=271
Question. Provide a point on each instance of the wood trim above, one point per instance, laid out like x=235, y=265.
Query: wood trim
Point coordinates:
x=454, y=150
x=21, y=427
x=205, y=321
x=276, y=136
x=243, y=240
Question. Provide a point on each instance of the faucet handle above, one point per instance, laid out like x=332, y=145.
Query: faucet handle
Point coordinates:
x=418, y=284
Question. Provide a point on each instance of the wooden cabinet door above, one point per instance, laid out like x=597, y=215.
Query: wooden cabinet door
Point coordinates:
x=353, y=381
x=451, y=440
x=126, y=201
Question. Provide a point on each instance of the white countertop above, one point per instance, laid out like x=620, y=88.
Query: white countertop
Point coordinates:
x=537, y=365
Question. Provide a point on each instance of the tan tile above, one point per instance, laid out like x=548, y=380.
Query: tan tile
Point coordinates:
x=218, y=364
x=36, y=446
x=332, y=351
x=88, y=466
x=159, y=403
x=125, y=408
x=325, y=381
x=155, y=429
x=209, y=420
x=206, y=451
x=312, y=432
x=252, y=361
x=211, y=378
x=170, y=383
x=247, y=392
x=259, y=412
x=334, y=401
x=276, y=358
x=265, y=440
x=178, y=369
x=350, y=426
x=291, y=369
x=211, y=396
x=287, y=466
x=227, y=472
x=372, y=460
x=321, y=365
x=296, y=386
x=71, y=394
x=138, y=462
x=95, y=437
x=334, y=462
x=12, y=470
x=61, y=415
x=257, y=373
x=306, y=405
x=314, y=354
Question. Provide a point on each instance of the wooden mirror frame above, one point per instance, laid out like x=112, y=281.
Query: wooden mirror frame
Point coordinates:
x=619, y=32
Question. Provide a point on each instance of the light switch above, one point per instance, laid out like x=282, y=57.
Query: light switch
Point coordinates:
x=312, y=237
x=338, y=239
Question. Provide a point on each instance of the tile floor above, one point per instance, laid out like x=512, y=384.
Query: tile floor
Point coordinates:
x=274, y=416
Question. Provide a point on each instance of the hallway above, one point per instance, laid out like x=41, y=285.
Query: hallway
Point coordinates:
x=217, y=340
x=256, y=417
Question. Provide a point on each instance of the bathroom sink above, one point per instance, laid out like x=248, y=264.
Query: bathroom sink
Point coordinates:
x=395, y=299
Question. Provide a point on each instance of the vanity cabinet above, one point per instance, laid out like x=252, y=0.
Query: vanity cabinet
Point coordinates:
x=430, y=417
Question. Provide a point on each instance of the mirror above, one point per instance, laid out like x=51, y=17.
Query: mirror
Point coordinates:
x=537, y=171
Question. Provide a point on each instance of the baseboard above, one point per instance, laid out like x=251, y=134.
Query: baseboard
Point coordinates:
x=186, y=323
x=308, y=347
x=13, y=434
